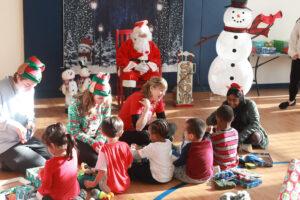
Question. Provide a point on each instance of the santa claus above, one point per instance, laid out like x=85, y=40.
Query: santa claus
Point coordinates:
x=138, y=57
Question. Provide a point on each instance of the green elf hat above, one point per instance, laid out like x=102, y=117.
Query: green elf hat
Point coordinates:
x=32, y=69
x=99, y=84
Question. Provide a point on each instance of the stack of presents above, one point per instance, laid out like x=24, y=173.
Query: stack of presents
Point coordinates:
x=270, y=47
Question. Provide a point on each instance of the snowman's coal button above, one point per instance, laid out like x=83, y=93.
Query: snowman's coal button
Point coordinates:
x=231, y=78
x=233, y=50
x=235, y=37
x=232, y=65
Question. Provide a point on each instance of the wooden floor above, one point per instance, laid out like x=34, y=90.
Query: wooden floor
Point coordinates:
x=281, y=126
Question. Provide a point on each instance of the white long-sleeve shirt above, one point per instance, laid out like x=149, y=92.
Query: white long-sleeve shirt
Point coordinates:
x=16, y=107
x=294, y=44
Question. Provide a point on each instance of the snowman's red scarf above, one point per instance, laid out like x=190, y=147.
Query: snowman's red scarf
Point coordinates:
x=66, y=83
x=253, y=29
x=82, y=79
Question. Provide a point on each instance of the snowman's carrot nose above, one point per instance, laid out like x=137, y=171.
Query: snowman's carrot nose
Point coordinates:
x=238, y=15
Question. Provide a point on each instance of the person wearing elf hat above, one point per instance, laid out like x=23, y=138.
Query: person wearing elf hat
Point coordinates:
x=138, y=57
x=19, y=150
x=85, y=114
x=246, y=119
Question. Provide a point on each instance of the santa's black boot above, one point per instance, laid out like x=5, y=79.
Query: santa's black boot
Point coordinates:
x=127, y=91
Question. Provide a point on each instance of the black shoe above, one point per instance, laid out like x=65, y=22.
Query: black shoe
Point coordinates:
x=284, y=105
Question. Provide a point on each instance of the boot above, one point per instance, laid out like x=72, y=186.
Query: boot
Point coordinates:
x=127, y=91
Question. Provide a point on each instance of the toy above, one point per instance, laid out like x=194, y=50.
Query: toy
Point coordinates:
x=28, y=134
x=84, y=80
x=97, y=194
x=241, y=195
x=69, y=86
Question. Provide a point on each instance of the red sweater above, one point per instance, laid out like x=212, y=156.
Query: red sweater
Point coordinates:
x=59, y=178
x=132, y=106
x=200, y=160
x=118, y=157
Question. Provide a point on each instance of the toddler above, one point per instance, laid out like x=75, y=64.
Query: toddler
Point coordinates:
x=59, y=176
x=159, y=169
x=195, y=164
x=114, y=159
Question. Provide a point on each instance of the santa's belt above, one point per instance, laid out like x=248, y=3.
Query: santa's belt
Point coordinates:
x=139, y=60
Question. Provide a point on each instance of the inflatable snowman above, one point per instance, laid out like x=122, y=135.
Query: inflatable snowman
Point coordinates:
x=69, y=86
x=84, y=79
x=233, y=48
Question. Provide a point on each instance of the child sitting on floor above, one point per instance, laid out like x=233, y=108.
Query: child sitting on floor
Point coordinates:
x=195, y=164
x=114, y=159
x=59, y=177
x=224, y=139
x=159, y=169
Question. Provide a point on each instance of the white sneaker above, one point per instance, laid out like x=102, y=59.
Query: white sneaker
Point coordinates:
x=246, y=147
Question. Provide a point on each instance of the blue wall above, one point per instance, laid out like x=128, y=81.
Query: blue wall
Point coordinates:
x=202, y=18
x=43, y=36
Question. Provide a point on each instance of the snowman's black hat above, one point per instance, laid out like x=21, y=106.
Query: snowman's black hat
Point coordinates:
x=238, y=4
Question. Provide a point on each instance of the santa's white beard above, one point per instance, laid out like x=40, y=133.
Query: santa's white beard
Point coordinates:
x=141, y=45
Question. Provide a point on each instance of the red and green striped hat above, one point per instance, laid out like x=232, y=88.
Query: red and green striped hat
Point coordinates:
x=32, y=69
x=99, y=84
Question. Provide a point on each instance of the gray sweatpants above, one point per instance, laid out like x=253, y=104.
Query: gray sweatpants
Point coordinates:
x=22, y=156
x=180, y=174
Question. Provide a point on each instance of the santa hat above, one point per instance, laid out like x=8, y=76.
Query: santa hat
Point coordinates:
x=99, y=84
x=86, y=42
x=239, y=4
x=32, y=69
x=140, y=23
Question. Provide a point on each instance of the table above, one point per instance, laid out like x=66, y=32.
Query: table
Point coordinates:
x=257, y=64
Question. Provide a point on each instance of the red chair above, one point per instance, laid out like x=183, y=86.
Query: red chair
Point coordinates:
x=121, y=37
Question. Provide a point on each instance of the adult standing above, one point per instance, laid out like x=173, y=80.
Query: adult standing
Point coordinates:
x=19, y=150
x=138, y=57
x=86, y=113
x=139, y=108
x=294, y=52
x=246, y=119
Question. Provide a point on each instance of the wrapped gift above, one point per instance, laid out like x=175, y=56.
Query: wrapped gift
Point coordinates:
x=258, y=43
x=248, y=183
x=33, y=176
x=290, y=188
x=24, y=192
x=269, y=43
x=279, y=45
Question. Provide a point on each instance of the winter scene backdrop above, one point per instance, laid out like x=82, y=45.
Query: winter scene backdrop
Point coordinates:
x=90, y=25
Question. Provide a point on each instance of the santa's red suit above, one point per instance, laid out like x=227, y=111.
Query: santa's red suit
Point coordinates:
x=128, y=58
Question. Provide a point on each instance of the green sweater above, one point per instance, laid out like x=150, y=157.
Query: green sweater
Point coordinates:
x=246, y=121
x=78, y=124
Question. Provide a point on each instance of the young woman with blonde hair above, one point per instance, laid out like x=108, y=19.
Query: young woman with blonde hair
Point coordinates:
x=138, y=109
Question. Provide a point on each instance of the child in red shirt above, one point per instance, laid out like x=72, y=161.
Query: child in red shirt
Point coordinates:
x=59, y=176
x=114, y=159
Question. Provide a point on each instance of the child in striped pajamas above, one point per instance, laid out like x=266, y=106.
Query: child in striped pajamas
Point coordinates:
x=224, y=139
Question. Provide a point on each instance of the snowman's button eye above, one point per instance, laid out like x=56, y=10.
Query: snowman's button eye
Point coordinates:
x=235, y=37
x=233, y=11
x=231, y=78
x=233, y=50
x=243, y=12
x=232, y=65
